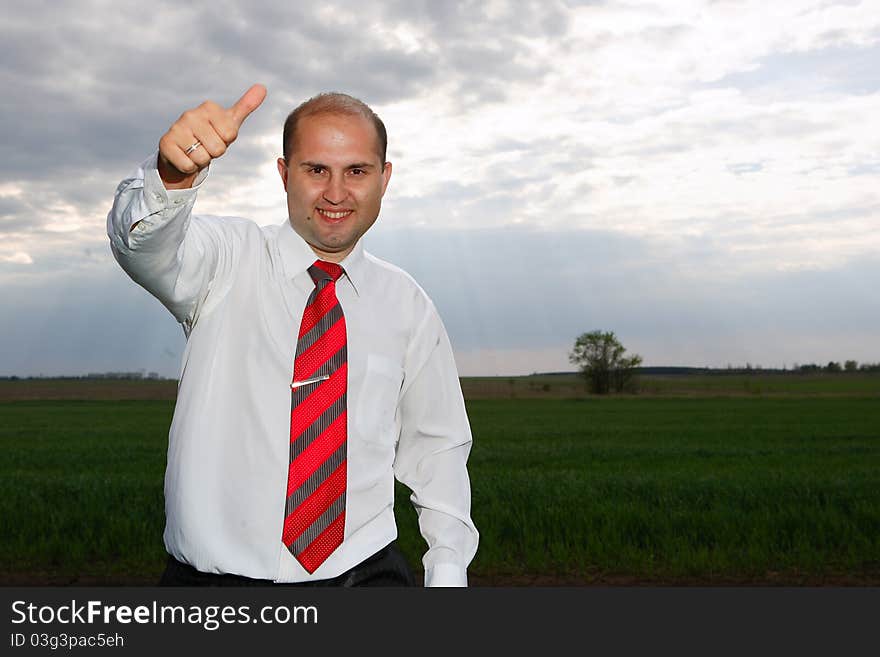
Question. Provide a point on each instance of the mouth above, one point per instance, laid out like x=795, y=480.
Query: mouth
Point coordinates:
x=333, y=215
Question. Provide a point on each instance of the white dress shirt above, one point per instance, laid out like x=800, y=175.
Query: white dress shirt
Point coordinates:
x=239, y=291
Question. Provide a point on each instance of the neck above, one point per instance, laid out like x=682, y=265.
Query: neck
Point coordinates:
x=336, y=257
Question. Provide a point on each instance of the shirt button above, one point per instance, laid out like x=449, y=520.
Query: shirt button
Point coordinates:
x=157, y=196
x=178, y=201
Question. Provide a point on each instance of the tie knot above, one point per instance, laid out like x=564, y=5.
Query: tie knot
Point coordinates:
x=324, y=271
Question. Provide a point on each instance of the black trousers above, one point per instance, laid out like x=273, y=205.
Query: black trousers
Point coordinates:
x=388, y=567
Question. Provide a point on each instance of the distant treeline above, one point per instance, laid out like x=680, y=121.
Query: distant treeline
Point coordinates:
x=128, y=376
x=832, y=366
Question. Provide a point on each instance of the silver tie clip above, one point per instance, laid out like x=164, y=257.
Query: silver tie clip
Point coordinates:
x=297, y=384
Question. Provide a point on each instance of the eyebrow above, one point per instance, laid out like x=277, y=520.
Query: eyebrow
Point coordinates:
x=357, y=165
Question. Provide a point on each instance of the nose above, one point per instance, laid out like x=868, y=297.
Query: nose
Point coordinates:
x=335, y=191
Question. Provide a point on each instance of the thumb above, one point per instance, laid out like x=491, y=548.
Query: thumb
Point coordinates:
x=250, y=101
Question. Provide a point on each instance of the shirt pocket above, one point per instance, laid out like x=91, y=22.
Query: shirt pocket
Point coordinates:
x=376, y=410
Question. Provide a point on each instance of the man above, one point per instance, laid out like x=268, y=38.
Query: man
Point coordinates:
x=314, y=373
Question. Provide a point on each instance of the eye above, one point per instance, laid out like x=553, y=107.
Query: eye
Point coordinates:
x=357, y=172
x=317, y=170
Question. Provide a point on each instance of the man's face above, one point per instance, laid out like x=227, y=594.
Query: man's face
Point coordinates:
x=334, y=181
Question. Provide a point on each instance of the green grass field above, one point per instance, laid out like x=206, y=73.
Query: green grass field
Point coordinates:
x=704, y=490
x=678, y=489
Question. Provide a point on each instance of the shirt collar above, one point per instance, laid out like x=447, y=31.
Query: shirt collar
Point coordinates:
x=297, y=256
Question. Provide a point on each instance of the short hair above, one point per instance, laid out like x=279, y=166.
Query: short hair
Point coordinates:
x=333, y=103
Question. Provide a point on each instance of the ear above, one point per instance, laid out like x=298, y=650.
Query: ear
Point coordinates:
x=282, y=170
x=386, y=176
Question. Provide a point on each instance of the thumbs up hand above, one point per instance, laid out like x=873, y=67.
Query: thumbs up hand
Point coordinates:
x=202, y=134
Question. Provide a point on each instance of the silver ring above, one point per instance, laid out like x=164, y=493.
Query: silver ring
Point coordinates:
x=192, y=148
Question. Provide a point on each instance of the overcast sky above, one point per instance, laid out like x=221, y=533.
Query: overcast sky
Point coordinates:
x=701, y=177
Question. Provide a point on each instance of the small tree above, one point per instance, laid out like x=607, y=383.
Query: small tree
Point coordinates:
x=851, y=366
x=603, y=363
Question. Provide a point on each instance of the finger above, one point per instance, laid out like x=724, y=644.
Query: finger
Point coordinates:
x=199, y=155
x=222, y=128
x=250, y=101
x=212, y=145
x=174, y=155
x=185, y=137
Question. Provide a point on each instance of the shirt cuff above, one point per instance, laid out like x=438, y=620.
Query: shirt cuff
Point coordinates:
x=446, y=574
x=157, y=197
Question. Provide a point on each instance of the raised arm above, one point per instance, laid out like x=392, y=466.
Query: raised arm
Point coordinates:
x=153, y=235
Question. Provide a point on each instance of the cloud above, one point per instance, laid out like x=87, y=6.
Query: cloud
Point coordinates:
x=652, y=145
x=90, y=320
x=845, y=69
x=18, y=258
x=512, y=299
x=524, y=287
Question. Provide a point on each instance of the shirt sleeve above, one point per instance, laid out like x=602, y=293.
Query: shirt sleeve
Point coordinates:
x=432, y=454
x=164, y=248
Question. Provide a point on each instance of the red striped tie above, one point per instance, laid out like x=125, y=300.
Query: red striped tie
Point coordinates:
x=314, y=516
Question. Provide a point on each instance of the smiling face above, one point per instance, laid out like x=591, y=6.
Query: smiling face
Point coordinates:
x=335, y=181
